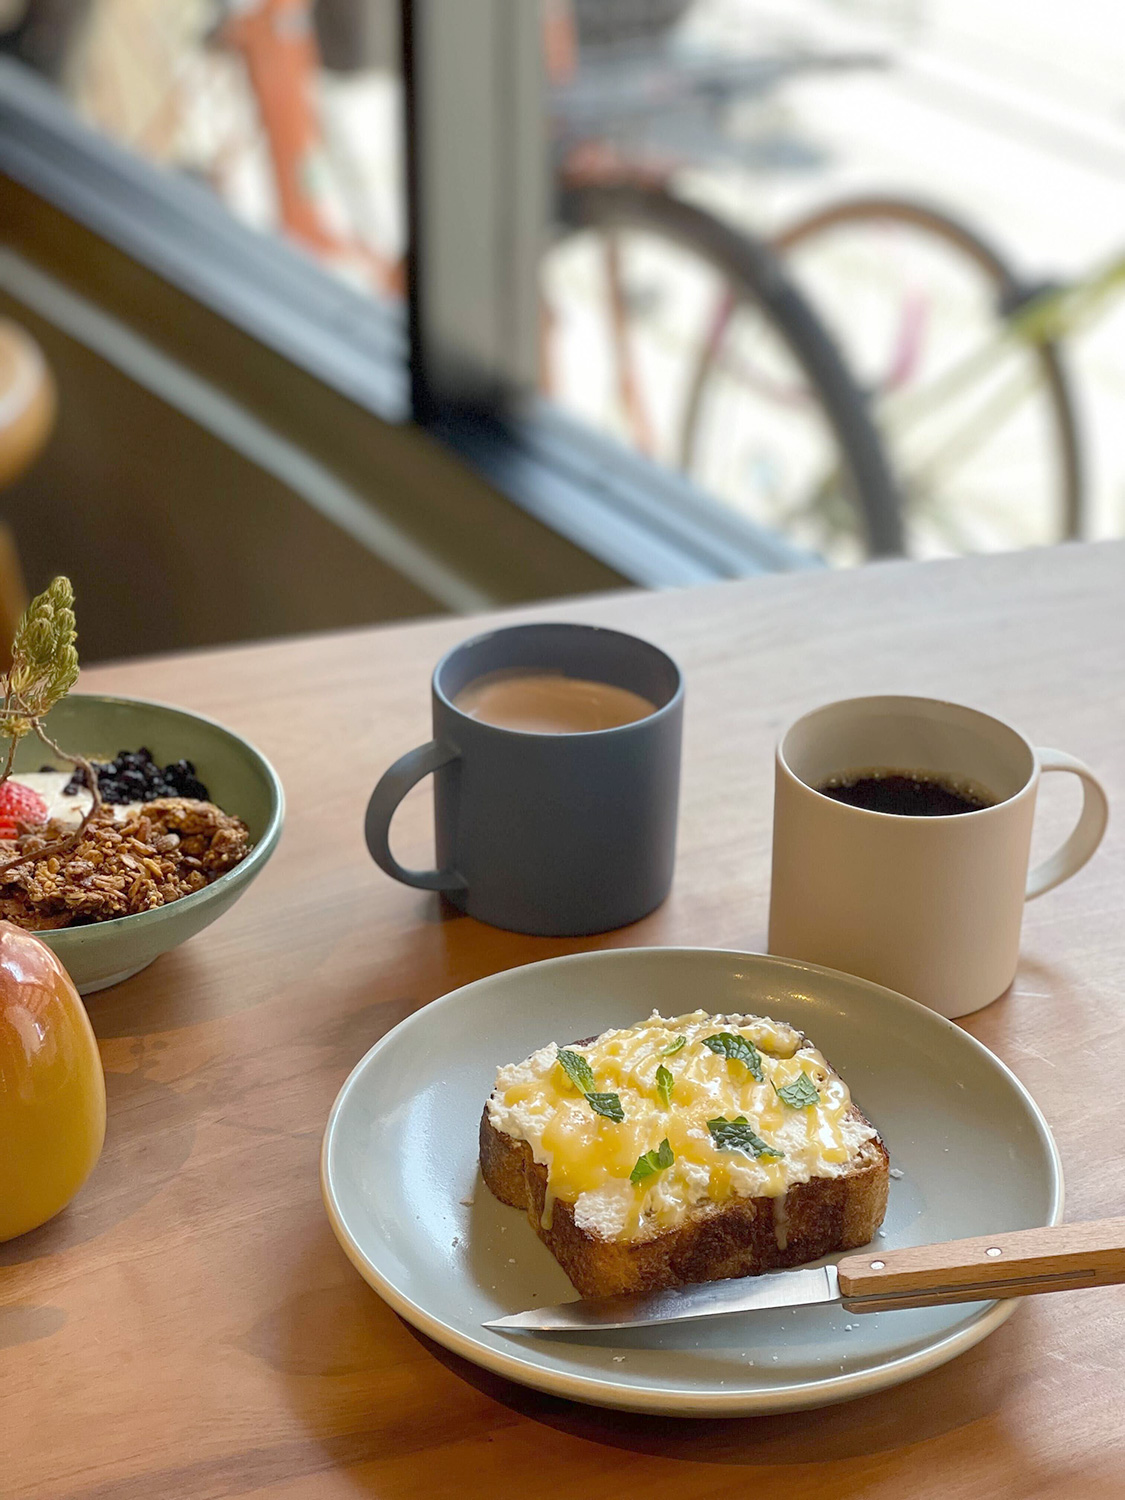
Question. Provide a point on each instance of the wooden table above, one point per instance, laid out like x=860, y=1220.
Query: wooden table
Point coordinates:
x=189, y=1328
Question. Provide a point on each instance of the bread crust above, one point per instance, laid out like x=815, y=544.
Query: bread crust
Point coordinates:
x=739, y=1237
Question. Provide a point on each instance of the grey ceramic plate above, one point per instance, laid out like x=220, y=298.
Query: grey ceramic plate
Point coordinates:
x=400, y=1180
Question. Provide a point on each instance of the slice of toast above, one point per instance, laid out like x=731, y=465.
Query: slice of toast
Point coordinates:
x=674, y=1236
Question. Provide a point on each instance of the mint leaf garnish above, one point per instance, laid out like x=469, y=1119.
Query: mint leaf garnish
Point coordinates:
x=665, y=1084
x=653, y=1161
x=801, y=1092
x=580, y=1073
x=672, y=1047
x=736, y=1135
x=577, y=1069
x=606, y=1104
x=727, y=1044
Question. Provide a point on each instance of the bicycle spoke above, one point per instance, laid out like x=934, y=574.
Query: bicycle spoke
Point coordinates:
x=904, y=406
x=628, y=386
x=962, y=444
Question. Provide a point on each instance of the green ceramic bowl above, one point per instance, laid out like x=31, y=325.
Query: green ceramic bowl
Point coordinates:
x=239, y=779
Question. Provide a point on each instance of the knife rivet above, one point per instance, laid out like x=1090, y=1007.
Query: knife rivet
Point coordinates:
x=877, y=1265
x=994, y=1251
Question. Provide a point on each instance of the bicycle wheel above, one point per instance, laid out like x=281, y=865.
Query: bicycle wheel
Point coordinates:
x=631, y=295
x=985, y=461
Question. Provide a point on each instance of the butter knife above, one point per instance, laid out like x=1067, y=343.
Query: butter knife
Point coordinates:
x=1020, y=1263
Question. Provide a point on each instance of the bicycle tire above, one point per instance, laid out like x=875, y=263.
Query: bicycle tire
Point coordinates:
x=756, y=275
x=1011, y=292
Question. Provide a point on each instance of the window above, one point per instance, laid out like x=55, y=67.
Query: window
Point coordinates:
x=706, y=285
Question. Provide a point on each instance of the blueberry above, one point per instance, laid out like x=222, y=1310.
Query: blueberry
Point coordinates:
x=184, y=782
x=134, y=776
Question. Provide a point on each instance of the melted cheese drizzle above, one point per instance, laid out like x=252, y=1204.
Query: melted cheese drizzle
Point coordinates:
x=589, y=1158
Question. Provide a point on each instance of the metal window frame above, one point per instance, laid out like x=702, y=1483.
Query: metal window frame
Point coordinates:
x=478, y=199
x=476, y=119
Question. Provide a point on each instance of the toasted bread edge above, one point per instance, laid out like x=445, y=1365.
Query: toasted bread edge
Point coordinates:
x=740, y=1237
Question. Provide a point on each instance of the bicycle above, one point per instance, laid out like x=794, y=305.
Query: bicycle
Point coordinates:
x=982, y=448
x=831, y=451
x=656, y=262
x=957, y=422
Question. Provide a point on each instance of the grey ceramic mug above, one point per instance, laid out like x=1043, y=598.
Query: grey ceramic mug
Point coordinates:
x=552, y=834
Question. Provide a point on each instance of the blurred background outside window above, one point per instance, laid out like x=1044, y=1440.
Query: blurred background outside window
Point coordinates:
x=852, y=266
x=289, y=111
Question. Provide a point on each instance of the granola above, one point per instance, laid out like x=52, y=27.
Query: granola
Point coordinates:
x=158, y=852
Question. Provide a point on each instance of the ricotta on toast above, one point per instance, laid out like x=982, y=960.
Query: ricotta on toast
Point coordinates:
x=683, y=1150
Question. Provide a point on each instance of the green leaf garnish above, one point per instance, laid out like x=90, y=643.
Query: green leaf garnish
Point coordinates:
x=736, y=1135
x=44, y=660
x=672, y=1047
x=800, y=1093
x=44, y=668
x=665, y=1084
x=606, y=1104
x=653, y=1161
x=727, y=1044
x=577, y=1069
x=580, y=1073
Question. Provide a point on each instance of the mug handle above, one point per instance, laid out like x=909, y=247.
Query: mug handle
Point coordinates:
x=391, y=788
x=1087, y=834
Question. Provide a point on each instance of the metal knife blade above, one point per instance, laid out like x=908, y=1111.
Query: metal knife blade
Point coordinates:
x=707, y=1299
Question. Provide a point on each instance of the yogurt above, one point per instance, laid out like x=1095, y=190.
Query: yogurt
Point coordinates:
x=69, y=811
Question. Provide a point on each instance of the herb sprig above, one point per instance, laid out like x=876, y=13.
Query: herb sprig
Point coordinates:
x=652, y=1162
x=608, y=1105
x=739, y=1048
x=800, y=1093
x=577, y=1069
x=665, y=1086
x=44, y=669
x=580, y=1073
x=737, y=1135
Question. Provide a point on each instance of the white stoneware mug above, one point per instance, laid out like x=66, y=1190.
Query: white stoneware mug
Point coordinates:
x=928, y=906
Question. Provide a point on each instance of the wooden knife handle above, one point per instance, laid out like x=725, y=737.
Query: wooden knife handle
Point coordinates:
x=1016, y=1264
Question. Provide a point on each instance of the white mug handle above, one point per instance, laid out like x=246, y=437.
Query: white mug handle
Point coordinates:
x=1087, y=834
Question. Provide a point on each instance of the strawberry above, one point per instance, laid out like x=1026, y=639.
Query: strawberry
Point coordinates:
x=19, y=804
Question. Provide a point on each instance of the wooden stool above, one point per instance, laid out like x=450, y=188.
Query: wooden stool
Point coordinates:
x=27, y=414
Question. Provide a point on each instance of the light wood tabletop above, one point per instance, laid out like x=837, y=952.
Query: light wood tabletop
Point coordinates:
x=189, y=1328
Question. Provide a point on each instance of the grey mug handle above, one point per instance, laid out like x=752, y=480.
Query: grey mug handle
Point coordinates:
x=392, y=787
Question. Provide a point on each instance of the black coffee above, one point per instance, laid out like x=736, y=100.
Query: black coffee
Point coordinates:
x=909, y=794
